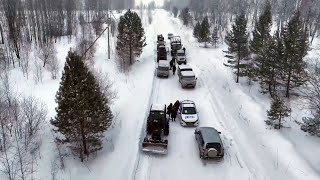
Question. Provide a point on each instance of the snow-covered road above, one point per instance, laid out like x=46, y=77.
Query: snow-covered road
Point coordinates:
x=251, y=151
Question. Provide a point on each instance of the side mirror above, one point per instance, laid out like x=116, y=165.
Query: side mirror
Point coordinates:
x=219, y=132
x=196, y=78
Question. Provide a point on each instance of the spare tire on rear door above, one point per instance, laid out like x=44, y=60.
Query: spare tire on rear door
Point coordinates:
x=212, y=152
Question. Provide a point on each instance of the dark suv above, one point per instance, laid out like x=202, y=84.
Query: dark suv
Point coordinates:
x=209, y=142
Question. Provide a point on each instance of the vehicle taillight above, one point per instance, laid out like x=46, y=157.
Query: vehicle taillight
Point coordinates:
x=205, y=151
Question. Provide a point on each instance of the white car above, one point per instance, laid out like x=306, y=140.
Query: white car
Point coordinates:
x=188, y=113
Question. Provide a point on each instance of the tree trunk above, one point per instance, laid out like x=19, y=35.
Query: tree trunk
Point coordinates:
x=288, y=84
x=1, y=34
x=84, y=141
x=130, y=46
x=238, y=68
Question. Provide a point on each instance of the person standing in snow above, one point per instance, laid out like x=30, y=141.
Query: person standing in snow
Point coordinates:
x=176, y=105
x=174, y=114
x=174, y=69
x=169, y=110
x=172, y=62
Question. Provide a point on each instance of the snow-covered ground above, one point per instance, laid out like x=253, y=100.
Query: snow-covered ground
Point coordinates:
x=253, y=150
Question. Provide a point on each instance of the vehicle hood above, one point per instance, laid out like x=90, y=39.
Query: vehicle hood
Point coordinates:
x=189, y=117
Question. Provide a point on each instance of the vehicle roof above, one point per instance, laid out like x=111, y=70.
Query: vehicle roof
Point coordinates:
x=157, y=107
x=164, y=63
x=187, y=73
x=188, y=103
x=209, y=134
x=184, y=66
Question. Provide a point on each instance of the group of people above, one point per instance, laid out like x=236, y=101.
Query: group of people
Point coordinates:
x=172, y=110
x=173, y=65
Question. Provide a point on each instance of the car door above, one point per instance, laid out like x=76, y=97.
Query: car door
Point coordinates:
x=198, y=137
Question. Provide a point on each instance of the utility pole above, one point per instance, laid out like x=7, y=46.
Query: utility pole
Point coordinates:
x=108, y=36
x=109, y=21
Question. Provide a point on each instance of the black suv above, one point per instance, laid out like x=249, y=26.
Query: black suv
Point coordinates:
x=209, y=142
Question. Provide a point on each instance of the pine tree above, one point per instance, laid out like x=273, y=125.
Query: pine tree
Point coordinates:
x=205, y=31
x=83, y=113
x=277, y=112
x=261, y=32
x=196, y=30
x=185, y=16
x=237, y=40
x=131, y=38
x=261, y=36
x=215, y=37
x=175, y=11
x=269, y=72
x=296, y=47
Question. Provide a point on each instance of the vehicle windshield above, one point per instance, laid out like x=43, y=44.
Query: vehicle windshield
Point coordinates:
x=186, y=69
x=189, y=110
x=217, y=146
x=163, y=68
x=157, y=115
x=180, y=54
x=189, y=78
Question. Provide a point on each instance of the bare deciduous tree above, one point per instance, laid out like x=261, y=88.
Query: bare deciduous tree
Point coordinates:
x=54, y=67
x=106, y=85
x=47, y=52
x=38, y=72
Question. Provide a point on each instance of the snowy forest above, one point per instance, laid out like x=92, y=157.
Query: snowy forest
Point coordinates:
x=78, y=78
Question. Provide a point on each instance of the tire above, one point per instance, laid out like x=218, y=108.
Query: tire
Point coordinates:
x=212, y=153
x=185, y=62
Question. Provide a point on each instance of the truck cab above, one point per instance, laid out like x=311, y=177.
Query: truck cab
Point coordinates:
x=181, y=57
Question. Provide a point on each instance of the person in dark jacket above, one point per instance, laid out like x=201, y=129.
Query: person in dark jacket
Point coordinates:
x=174, y=114
x=176, y=105
x=174, y=69
x=169, y=110
x=172, y=62
x=184, y=49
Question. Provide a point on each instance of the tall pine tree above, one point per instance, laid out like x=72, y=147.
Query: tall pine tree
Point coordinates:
x=261, y=33
x=83, y=114
x=185, y=16
x=205, y=31
x=131, y=38
x=196, y=30
x=296, y=47
x=269, y=72
x=237, y=40
x=261, y=36
x=215, y=37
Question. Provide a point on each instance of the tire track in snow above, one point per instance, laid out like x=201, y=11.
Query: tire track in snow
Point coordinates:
x=142, y=158
x=220, y=112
